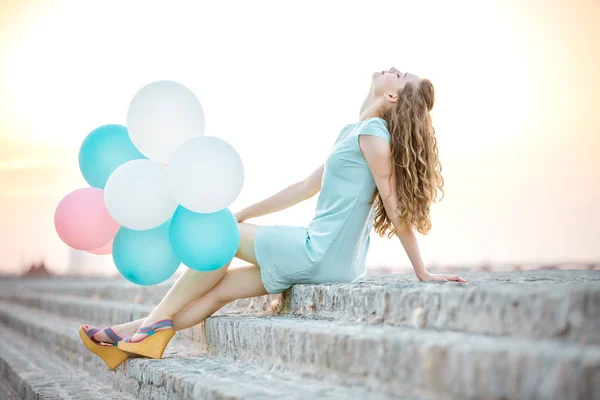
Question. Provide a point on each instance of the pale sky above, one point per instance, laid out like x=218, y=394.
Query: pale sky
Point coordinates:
x=517, y=113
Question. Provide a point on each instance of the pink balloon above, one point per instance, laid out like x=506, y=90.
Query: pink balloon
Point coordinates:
x=82, y=220
x=106, y=249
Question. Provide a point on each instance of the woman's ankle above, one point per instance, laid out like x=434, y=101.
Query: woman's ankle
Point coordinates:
x=128, y=328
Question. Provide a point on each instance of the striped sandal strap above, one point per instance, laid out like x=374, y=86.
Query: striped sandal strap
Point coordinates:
x=149, y=330
x=91, y=332
x=158, y=324
x=112, y=335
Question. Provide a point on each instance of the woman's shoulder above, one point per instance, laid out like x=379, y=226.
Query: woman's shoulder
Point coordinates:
x=369, y=121
x=375, y=126
x=376, y=122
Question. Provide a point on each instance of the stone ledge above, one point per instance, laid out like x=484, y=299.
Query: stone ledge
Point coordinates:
x=445, y=363
x=534, y=304
x=35, y=373
x=563, y=311
x=179, y=375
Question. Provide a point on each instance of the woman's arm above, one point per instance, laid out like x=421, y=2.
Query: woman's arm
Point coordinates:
x=289, y=196
x=378, y=154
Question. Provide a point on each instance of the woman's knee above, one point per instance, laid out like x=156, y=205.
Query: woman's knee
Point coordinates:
x=238, y=283
x=222, y=297
x=220, y=294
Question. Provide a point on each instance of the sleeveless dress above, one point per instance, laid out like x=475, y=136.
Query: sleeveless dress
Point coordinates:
x=334, y=245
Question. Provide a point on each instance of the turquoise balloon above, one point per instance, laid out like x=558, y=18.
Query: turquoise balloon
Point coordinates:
x=103, y=150
x=145, y=257
x=204, y=242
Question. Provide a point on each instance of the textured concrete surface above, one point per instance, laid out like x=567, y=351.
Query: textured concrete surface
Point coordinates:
x=459, y=364
x=7, y=392
x=524, y=335
x=100, y=312
x=563, y=310
x=179, y=375
x=535, y=304
x=33, y=372
x=401, y=359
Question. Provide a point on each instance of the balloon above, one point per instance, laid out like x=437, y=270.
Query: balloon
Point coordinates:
x=204, y=242
x=104, y=250
x=82, y=220
x=205, y=174
x=145, y=257
x=161, y=116
x=137, y=195
x=103, y=150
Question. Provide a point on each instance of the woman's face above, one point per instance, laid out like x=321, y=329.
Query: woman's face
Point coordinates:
x=391, y=81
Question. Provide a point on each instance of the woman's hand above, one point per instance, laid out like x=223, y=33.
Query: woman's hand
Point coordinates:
x=240, y=217
x=441, y=278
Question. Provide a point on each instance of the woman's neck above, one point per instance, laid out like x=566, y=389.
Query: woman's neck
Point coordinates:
x=370, y=108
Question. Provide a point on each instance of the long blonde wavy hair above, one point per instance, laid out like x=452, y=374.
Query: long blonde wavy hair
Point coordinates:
x=417, y=167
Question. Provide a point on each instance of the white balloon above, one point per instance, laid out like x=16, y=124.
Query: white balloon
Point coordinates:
x=137, y=195
x=205, y=174
x=161, y=116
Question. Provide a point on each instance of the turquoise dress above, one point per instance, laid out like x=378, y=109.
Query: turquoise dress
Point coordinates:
x=334, y=245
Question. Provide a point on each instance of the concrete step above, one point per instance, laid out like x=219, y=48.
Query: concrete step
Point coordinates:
x=103, y=312
x=181, y=373
x=406, y=360
x=464, y=366
x=7, y=392
x=532, y=304
x=31, y=371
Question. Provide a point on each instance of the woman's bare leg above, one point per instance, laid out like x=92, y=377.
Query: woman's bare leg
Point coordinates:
x=190, y=285
x=193, y=284
x=238, y=283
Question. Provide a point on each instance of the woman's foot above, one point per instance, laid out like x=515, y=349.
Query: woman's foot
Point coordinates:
x=118, y=332
x=162, y=322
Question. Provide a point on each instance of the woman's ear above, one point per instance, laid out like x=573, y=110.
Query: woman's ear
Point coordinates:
x=392, y=97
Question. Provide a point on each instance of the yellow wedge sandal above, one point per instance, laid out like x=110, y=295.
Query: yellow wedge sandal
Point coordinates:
x=154, y=344
x=109, y=353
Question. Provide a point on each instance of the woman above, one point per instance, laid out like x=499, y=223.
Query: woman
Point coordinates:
x=383, y=172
